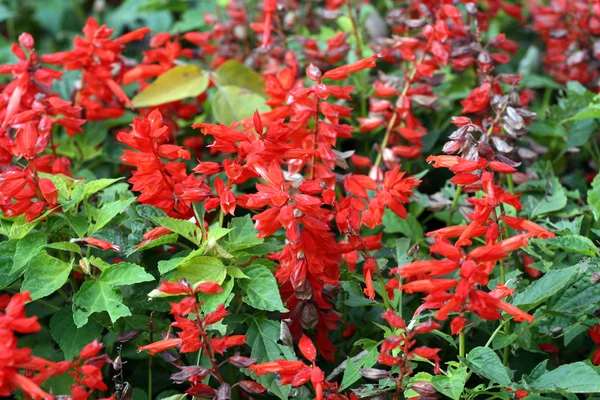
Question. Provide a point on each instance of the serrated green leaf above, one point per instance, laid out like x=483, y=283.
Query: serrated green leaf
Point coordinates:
x=577, y=377
x=262, y=336
x=125, y=274
x=452, y=384
x=70, y=339
x=261, y=289
x=201, y=269
x=94, y=187
x=178, y=83
x=108, y=212
x=44, y=275
x=352, y=371
x=185, y=228
x=484, y=361
x=545, y=287
x=27, y=248
x=7, y=255
x=572, y=243
x=554, y=200
x=64, y=246
x=102, y=294
x=242, y=234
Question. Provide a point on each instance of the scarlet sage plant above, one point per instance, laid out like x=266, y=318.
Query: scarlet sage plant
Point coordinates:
x=330, y=200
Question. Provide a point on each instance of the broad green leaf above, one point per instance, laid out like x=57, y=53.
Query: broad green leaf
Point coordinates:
x=484, y=361
x=201, y=269
x=593, y=197
x=236, y=272
x=554, y=200
x=242, y=234
x=217, y=233
x=125, y=274
x=108, y=212
x=581, y=295
x=234, y=73
x=96, y=296
x=352, y=371
x=70, y=339
x=183, y=227
x=21, y=227
x=44, y=275
x=233, y=103
x=546, y=286
x=7, y=255
x=27, y=248
x=165, y=266
x=102, y=294
x=79, y=224
x=178, y=83
x=262, y=337
x=65, y=246
x=577, y=377
x=410, y=227
x=261, y=289
x=93, y=187
x=452, y=384
x=572, y=243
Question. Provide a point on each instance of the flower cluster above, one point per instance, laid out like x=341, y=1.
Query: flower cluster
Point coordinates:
x=194, y=336
x=487, y=222
x=102, y=69
x=86, y=370
x=570, y=30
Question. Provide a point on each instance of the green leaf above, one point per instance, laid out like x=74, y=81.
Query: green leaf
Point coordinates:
x=484, y=361
x=554, y=200
x=64, y=246
x=27, y=248
x=242, y=234
x=572, y=243
x=201, y=269
x=452, y=384
x=93, y=187
x=233, y=103
x=70, y=339
x=122, y=274
x=545, y=287
x=60, y=182
x=96, y=296
x=7, y=255
x=261, y=289
x=577, y=377
x=178, y=83
x=44, y=275
x=101, y=294
x=234, y=73
x=108, y=212
x=166, y=239
x=262, y=336
x=21, y=227
x=352, y=371
x=409, y=227
x=165, y=266
x=183, y=227
x=593, y=197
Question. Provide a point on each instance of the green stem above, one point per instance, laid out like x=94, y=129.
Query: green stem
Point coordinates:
x=506, y=351
x=47, y=304
x=461, y=343
x=511, y=184
x=454, y=203
x=386, y=138
x=355, y=31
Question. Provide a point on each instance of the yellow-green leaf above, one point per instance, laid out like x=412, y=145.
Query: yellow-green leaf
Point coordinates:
x=178, y=83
